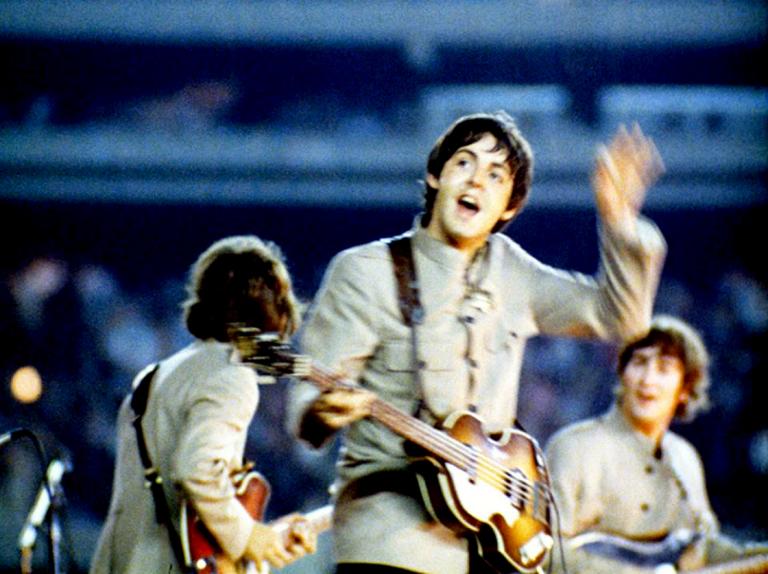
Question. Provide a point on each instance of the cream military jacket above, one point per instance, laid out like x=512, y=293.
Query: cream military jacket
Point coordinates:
x=195, y=427
x=479, y=314
x=608, y=477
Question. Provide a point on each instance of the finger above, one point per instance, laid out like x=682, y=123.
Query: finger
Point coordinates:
x=337, y=420
x=277, y=556
x=309, y=545
x=606, y=167
x=648, y=154
x=655, y=162
x=305, y=537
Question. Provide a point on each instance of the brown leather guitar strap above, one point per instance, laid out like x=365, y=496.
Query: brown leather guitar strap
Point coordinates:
x=152, y=479
x=408, y=300
x=407, y=284
x=413, y=314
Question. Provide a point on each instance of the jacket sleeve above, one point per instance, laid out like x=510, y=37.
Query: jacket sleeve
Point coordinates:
x=617, y=303
x=340, y=333
x=209, y=447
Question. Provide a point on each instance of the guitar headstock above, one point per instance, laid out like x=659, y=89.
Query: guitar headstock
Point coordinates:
x=267, y=353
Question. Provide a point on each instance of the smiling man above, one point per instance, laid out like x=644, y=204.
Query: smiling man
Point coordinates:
x=626, y=474
x=455, y=340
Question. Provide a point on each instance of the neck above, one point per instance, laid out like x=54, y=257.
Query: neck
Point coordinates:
x=469, y=247
x=654, y=430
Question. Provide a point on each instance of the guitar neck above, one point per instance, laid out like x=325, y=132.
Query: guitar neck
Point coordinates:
x=321, y=519
x=415, y=430
x=437, y=443
x=751, y=565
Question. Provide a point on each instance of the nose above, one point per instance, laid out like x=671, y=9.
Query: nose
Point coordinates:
x=647, y=378
x=476, y=179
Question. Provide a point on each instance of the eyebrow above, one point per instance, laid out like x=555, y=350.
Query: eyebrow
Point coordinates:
x=503, y=165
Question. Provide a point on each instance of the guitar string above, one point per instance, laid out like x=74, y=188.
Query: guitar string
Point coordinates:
x=500, y=478
x=497, y=476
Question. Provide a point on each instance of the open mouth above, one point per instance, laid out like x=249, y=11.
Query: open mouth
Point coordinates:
x=468, y=205
x=645, y=398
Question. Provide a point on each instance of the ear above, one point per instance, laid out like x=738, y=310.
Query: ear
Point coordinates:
x=432, y=181
x=684, y=396
x=508, y=214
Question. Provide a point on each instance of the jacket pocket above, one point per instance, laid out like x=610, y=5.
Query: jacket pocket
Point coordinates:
x=397, y=356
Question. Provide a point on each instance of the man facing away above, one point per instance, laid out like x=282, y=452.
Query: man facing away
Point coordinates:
x=626, y=474
x=482, y=296
x=196, y=422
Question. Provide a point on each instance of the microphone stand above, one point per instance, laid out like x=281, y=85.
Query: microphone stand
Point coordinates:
x=54, y=532
x=45, y=507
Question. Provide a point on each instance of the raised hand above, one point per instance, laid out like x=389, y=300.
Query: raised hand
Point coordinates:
x=624, y=170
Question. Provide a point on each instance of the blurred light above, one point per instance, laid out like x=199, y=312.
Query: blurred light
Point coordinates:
x=26, y=385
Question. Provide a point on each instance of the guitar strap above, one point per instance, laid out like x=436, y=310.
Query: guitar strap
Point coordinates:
x=400, y=248
x=408, y=300
x=152, y=479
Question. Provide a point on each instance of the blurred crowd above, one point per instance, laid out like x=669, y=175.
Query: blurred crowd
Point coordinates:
x=86, y=335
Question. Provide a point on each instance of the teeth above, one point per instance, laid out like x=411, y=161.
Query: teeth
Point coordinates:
x=468, y=201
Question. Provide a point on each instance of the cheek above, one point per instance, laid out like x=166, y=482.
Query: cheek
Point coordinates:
x=630, y=377
x=502, y=197
x=452, y=177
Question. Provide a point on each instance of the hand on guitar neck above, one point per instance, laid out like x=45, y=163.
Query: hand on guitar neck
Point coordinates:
x=276, y=543
x=341, y=406
x=282, y=542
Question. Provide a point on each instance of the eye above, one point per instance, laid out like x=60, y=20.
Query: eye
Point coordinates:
x=666, y=365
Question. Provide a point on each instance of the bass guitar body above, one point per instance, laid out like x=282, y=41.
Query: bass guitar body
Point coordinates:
x=499, y=492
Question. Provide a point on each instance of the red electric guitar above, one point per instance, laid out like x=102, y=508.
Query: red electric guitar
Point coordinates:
x=202, y=553
x=496, y=490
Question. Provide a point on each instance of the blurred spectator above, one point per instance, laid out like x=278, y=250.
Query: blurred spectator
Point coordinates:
x=195, y=107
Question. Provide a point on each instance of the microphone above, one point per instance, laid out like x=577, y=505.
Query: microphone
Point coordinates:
x=11, y=435
x=39, y=510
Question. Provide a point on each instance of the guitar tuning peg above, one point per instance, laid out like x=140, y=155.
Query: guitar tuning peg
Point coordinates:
x=302, y=366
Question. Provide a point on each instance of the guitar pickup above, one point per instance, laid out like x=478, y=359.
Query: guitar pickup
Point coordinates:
x=534, y=549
